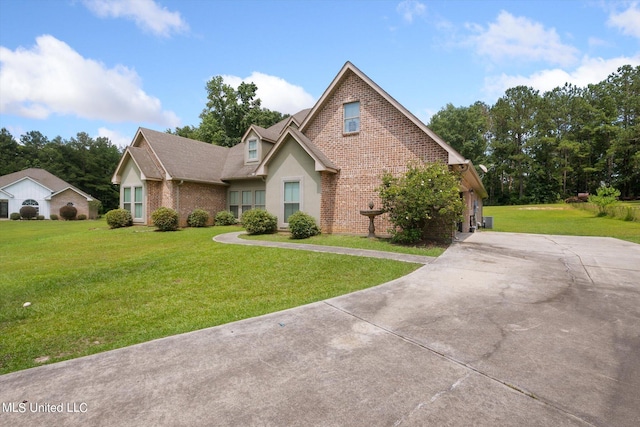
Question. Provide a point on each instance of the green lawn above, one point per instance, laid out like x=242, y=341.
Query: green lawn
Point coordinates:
x=93, y=289
x=560, y=219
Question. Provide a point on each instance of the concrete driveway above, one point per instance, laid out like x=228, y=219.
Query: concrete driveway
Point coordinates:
x=503, y=329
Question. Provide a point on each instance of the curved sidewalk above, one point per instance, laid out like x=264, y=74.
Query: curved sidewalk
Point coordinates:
x=234, y=238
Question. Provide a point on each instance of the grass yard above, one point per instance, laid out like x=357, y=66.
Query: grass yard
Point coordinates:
x=560, y=219
x=93, y=289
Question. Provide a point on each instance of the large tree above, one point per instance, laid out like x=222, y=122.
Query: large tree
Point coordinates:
x=82, y=161
x=513, y=120
x=465, y=129
x=228, y=114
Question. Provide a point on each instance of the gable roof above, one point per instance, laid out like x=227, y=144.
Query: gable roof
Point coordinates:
x=180, y=159
x=273, y=132
x=454, y=156
x=322, y=162
x=43, y=178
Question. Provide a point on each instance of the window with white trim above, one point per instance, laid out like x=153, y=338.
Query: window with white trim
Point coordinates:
x=352, y=117
x=246, y=201
x=291, y=199
x=137, y=202
x=252, y=150
x=31, y=202
x=126, y=198
x=233, y=203
x=260, y=199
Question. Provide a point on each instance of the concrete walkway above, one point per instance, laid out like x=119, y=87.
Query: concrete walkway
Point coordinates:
x=234, y=238
x=501, y=330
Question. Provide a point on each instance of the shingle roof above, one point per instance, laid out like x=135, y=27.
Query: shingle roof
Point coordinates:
x=187, y=159
x=145, y=163
x=43, y=177
x=279, y=127
x=235, y=167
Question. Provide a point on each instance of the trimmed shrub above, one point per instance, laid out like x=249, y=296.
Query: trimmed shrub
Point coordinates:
x=259, y=221
x=81, y=217
x=68, y=212
x=117, y=218
x=14, y=216
x=165, y=219
x=225, y=218
x=302, y=225
x=28, y=212
x=198, y=218
x=40, y=217
x=53, y=217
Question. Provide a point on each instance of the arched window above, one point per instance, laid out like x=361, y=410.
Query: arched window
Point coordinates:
x=31, y=202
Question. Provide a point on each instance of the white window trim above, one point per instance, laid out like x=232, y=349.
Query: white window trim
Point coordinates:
x=257, y=159
x=298, y=179
x=135, y=201
x=344, y=117
x=237, y=204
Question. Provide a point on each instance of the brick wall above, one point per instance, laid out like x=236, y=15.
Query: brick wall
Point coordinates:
x=154, y=198
x=191, y=195
x=70, y=196
x=387, y=141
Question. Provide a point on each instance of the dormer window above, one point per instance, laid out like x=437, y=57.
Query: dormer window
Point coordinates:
x=352, y=117
x=252, y=150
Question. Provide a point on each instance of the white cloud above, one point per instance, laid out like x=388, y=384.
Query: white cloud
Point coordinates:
x=628, y=21
x=511, y=37
x=146, y=13
x=115, y=137
x=411, y=8
x=275, y=93
x=52, y=78
x=590, y=71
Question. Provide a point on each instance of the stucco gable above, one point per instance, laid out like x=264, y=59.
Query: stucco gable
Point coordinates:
x=142, y=159
x=322, y=162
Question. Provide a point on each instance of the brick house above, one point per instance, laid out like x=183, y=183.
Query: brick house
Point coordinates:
x=44, y=191
x=326, y=161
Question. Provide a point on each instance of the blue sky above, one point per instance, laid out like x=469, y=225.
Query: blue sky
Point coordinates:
x=106, y=67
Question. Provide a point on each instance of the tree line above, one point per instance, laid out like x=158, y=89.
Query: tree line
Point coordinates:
x=536, y=148
x=84, y=162
x=544, y=147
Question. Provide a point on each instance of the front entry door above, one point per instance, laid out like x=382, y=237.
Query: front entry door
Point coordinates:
x=4, y=209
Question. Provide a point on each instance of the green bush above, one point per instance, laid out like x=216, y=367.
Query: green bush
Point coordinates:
x=225, y=218
x=14, y=216
x=259, y=221
x=302, y=225
x=68, y=212
x=426, y=196
x=604, y=197
x=28, y=212
x=117, y=218
x=53, y=217
x=165, y=219
x=198, y=218
x=40, y=217
x=81, y=217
